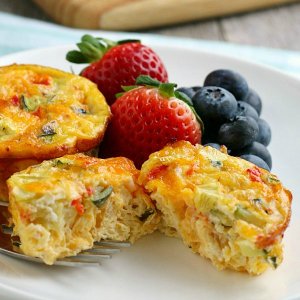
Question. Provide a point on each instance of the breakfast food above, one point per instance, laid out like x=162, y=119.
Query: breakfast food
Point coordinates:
x=7, y=168
x=230, y=112
x=116, y=64
x=223, y=207
x=46, y=113
x=146, y=118
x=62, y=206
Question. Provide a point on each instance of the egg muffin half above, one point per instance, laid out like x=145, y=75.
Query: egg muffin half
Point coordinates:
x=47, y=113
x=61, y=206
x=224, y=208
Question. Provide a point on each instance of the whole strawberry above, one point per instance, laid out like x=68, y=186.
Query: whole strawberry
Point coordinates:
x=146, y=118
x=116, y=64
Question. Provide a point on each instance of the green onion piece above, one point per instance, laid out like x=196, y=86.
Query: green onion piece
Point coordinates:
x=248, y=216
x=29, y=104
x=103, y=196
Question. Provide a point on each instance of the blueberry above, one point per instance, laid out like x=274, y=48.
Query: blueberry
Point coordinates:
x=213, y=145
x=246, y=110
x=189, y=91
x=259, y=150
x=254, y=100
x=264, y=134
x=239, y=133
x=214, y=104
x=256, y=160
x=228, y=80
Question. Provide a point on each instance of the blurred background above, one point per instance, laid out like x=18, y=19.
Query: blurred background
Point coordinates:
x=276, y=26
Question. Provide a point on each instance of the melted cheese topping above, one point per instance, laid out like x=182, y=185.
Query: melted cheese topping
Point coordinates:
x=62, y=206
x=223, y=207
x=47, y=113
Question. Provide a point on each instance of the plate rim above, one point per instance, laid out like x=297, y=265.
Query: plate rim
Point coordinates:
x=259, y=66
x=191, y=47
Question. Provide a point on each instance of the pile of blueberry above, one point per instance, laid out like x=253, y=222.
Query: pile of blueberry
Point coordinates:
x=230, y=112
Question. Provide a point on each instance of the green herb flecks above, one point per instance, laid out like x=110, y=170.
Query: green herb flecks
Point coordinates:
x=273, y=179
x=100, y=198
x=146, y=214
x=50, y=98
x=216, y=163
x=29, y=104
x=272, y=260
x=79, y=110
x=48, y=130
x=262, y=205
x=58, y=163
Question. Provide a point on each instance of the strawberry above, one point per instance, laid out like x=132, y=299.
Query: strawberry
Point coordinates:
x=116, y=64
x=146, y=118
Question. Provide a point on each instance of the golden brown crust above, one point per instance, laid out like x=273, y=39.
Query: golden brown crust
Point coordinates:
x=223, y=207
x=58, y=207
x=264, y=241
x=47, y=113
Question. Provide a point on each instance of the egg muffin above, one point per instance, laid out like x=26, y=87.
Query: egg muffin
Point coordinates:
x=7, y=168
x=47, y=113
x=61, y=206
x=223, y=207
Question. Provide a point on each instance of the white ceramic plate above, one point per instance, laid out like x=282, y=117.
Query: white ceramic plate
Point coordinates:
x=158, y=267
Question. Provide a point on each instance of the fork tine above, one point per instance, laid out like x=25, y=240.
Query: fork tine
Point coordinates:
x=3, y=203
x=116, y=244
x=101, y=250
x=88, y=256
x=61, y=262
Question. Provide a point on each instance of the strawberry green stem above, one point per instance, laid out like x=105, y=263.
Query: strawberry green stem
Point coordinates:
x=92, y=49
x=165, y=89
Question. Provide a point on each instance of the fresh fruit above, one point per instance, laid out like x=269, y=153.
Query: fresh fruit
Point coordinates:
x=230, y=81
x=259, y=150
x=189, y=91
x=264, y=134
x=239, y=133
x=254, y=100
x=246, y=110
x=148, y=117
x=230, y=113
x=116, y=64
x=256, y=160
x=214, y=104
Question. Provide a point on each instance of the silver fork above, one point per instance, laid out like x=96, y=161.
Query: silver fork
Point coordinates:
x=101, y=250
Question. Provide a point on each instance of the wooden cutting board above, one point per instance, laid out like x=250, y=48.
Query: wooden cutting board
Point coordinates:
x=139, y=14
